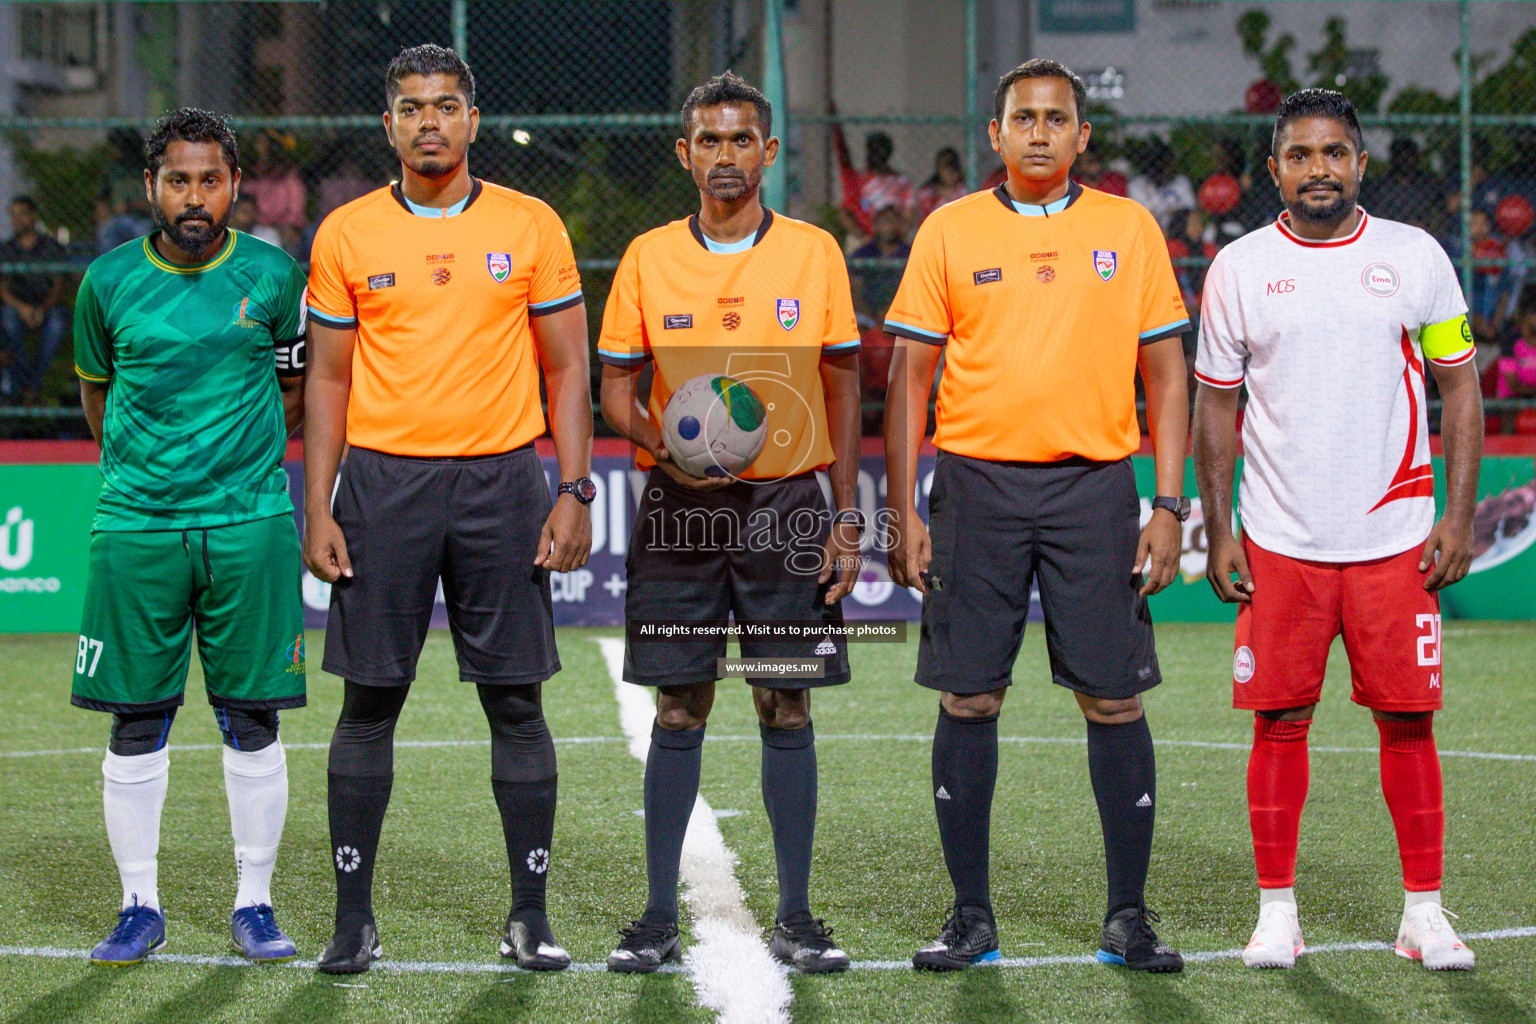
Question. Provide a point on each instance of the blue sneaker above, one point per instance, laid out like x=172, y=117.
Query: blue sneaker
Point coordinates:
x=257, y=936
x=139, y=932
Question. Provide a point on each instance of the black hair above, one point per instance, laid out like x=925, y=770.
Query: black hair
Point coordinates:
x=1527, y=305
x=427, y=59
x=1041, y=67
x=190, y=124
x=27, y=201
x=727, y=87
x=1316, y=103
x=951, y=155
x=878, y=149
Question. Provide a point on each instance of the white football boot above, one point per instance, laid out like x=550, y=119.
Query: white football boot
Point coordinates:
x=1425, y=935
x=1276, y=940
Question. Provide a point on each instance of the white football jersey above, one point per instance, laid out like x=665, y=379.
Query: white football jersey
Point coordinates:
x=1327, y=336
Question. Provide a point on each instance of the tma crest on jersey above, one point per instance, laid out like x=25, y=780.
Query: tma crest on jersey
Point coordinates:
x=789, y=313
x=499, y=264
x=1104, y=262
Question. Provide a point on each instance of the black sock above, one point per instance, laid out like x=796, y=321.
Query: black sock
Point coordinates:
x=964, y=777
x=357, y=805
x=789, y=794
x=528, y=822
x=524, y=780
x=671, y=787
x=360, y=777
x=1124, y=774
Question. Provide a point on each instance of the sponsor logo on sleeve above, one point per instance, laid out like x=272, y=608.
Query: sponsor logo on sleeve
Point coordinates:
x=677, y=321
x=991, y=275
x=1105, y=263
x=378, y=281
x=1243, y=664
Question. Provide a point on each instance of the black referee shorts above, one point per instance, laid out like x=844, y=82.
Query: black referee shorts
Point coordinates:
x=474, y=523
x=996, y=527
x=749, y=551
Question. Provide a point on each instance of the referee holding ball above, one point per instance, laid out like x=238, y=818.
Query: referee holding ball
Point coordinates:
x=1045, y=298
x=433, y=305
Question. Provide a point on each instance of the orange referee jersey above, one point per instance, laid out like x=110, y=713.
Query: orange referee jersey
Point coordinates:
x=763, y=310
x=444, y=363
x=1041, y=310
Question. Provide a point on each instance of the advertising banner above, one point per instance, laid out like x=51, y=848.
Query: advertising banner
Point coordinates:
x=45, y=517
x=45, y=530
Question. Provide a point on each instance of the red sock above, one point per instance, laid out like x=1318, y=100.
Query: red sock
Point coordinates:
x=1278, y=774
x=1410, y=779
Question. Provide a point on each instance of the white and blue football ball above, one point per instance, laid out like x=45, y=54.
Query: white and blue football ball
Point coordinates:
x=714, y=426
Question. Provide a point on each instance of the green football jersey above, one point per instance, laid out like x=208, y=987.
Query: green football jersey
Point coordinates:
x=193, y=435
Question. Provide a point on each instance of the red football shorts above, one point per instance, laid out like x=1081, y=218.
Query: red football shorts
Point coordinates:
x=1391, y=628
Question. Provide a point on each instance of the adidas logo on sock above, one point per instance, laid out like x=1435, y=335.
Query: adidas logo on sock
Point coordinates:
x=826, y=648
x=1145, y=801
x=942, y=794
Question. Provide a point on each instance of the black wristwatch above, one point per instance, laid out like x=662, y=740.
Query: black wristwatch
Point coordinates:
x=852, y=516
x=582, y=489
x=1178, y=506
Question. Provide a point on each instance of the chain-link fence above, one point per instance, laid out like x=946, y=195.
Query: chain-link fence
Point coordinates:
x=883, y=108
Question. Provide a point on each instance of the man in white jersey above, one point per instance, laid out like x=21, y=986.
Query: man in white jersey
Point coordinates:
x=1329, y=317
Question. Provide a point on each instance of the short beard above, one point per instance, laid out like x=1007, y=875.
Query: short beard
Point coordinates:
x=1332, y=213
x=193, y=242
x=730, y=188
x=434, y=167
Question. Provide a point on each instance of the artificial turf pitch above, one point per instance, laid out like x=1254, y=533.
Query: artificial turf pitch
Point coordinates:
x=441, y=889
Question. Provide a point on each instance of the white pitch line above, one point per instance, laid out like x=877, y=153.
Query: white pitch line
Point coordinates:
x=732, y=971
x=1477, y=755
x=481, y=967
x=399, y=745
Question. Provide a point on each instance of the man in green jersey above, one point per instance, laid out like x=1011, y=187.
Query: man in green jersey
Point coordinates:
x=189, y=348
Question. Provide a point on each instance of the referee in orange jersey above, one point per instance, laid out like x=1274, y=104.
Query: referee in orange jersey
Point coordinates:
x=740, y=290
x=433, y=305
x=1044, y=298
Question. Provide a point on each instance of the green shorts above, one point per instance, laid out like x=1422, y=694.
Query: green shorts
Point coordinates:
x=240, y=586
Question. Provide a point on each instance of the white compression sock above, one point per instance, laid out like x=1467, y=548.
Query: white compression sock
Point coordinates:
x=1287, y=895
x=1413, y=899
x=256, y=783
x=132, y=794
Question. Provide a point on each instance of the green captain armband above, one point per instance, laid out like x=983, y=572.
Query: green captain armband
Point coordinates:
x=1447, y=342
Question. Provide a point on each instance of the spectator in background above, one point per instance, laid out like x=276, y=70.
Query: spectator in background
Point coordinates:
x=1490, y=285
x=1517, y=181
x=1405, y=191
x=121, y=215
x=874, y=188
x=1517, y=371
x=1090, y=172
x=1159, y=187
x=873, y=290
x=339, y=187
x=243, y=218
x=1259, y=204
x=30, y=302
x=946, y=185
x=275, y=184
x=1190, y=236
